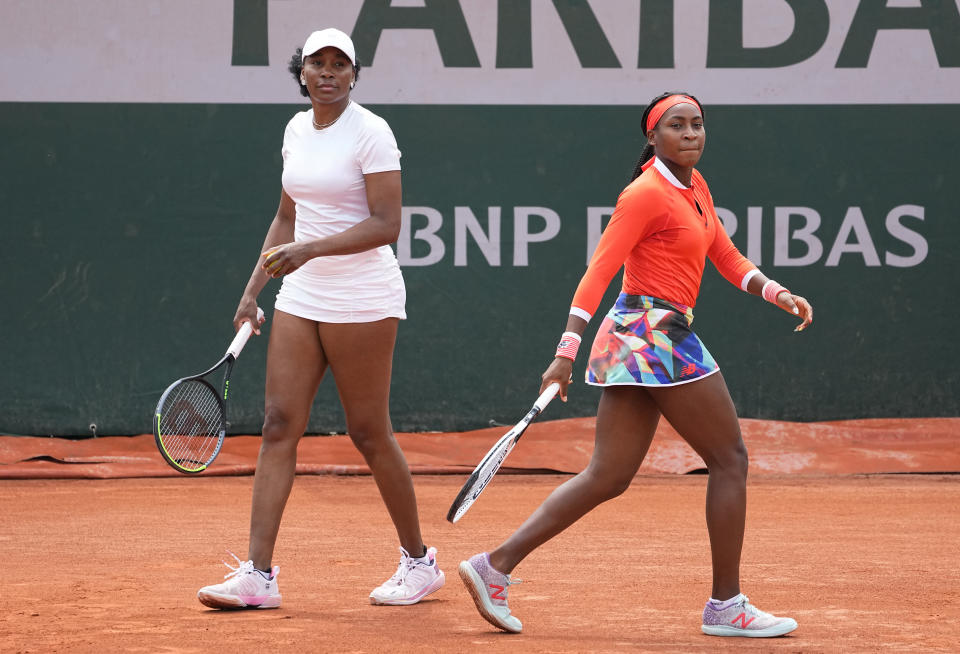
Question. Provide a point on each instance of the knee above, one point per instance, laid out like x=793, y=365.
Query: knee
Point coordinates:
x=367, y=439
x=279, y=429
x=618, y=486
x=733, y=460
x=608, y=484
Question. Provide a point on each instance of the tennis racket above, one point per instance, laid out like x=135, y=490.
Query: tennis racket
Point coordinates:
x=491, y=463
x=191, y=417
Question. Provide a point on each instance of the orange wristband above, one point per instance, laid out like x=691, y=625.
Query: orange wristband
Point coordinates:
x=771, y=290
x=568, y=346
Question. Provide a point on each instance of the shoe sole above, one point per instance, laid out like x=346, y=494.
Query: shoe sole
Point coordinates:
x=218, y=601
x=432, y=588
x=769, y=632
x=474, y=584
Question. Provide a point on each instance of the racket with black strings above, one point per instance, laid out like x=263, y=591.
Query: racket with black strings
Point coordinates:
x=488, y=467
x=191, y=417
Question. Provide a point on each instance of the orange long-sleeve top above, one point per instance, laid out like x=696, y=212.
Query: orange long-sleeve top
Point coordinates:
x=661, y=232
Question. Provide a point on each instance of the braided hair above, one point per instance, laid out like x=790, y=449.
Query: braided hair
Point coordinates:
x=296, y=67
x=647, y=152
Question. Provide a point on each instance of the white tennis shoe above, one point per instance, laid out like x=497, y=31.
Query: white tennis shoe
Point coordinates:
x=489, y=589
x=245, y=587
x=413, y=580
x=738, y=617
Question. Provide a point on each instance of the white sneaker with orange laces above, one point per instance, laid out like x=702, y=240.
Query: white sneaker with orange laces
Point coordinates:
x=245, y=587
x=413, y=580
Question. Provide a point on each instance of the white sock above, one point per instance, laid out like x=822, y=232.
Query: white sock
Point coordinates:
x=425, y=558
x=722, y=604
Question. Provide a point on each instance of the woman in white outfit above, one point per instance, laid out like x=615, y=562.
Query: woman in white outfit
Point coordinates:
x=341, y=300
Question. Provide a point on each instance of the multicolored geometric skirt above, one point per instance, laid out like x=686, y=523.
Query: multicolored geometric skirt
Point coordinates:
x=646, y=341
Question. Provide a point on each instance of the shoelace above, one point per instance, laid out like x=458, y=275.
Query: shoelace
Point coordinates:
x=751, y=607
x=242, y=566
x=407, y=563
x=512, y=582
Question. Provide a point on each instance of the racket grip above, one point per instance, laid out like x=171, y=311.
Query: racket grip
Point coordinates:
x=243, y=334
x=548, y=394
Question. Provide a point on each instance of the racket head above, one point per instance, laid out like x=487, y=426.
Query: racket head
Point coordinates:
x=190, y=425
x=488, y=467
x=483, y=473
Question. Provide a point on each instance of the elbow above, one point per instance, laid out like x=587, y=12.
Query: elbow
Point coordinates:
x=386, y=237
x=390, y=235
x=389, y=231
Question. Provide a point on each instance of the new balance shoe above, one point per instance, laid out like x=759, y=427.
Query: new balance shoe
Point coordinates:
x=413, y=580
x=489, y=589
x=738, y=617
x=245, y=587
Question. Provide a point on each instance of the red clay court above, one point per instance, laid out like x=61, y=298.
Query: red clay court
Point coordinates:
x=851, y=529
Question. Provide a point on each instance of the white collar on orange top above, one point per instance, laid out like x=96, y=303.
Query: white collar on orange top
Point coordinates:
x=662, y=167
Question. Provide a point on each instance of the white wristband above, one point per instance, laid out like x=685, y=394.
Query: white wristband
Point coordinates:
x=746, y=278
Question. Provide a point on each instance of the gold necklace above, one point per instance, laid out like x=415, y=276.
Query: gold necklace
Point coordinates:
x=317, y=125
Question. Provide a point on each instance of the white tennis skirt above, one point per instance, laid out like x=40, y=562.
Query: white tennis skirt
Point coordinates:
x=346, y=297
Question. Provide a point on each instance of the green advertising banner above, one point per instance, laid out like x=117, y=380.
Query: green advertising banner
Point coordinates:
x=131, y=230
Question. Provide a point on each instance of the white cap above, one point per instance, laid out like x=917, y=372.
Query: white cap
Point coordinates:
x=327, y=38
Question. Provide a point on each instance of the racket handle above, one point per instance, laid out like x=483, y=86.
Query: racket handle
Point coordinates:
x=243, y=334
x=548, y=394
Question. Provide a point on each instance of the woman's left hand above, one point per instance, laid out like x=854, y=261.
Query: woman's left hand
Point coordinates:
x=796, y=305
x=284, y=259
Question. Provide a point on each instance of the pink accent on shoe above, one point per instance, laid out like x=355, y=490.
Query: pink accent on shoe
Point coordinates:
x=436, y=585
x=414, y=579
x=244, y=587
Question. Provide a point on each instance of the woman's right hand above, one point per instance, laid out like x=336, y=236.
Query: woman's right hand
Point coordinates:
x=560, y=371
x=247, y=312
x=798, y=306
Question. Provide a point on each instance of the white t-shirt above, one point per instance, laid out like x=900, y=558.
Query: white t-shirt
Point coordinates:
x=323, y=173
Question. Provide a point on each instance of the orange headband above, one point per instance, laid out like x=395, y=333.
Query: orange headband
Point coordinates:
x=663, y=106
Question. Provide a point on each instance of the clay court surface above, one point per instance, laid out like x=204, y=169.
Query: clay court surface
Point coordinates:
x=864, y=562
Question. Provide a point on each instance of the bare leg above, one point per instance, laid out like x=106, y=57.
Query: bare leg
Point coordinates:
x=626, y=422
x=295, y=366
x=703, y=414
x=361, y=357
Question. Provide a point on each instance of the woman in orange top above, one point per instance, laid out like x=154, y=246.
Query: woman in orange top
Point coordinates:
x=650, y=363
